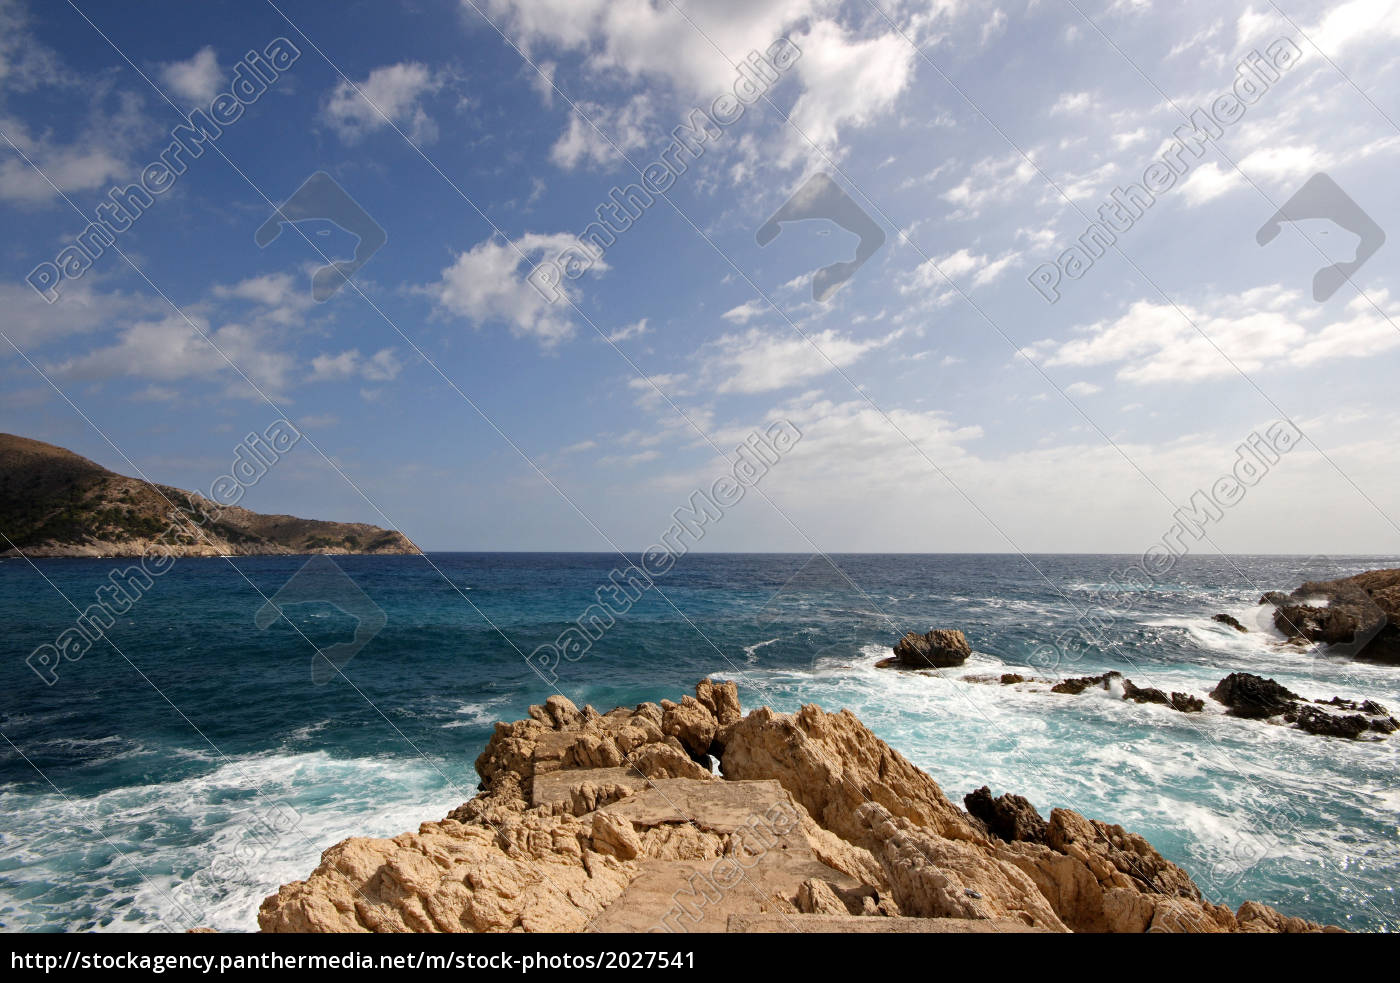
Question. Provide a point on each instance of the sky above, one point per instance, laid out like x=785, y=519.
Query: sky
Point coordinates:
x=945, y=403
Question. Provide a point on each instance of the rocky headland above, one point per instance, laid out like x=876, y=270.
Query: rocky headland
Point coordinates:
x=693, y=816
x=54, y=503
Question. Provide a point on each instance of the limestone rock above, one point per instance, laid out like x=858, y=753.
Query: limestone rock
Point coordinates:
x=610, y=822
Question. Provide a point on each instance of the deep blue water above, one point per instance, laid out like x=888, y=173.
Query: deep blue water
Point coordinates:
x=190, y=775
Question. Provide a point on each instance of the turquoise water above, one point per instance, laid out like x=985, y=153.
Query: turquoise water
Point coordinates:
x=184, y=779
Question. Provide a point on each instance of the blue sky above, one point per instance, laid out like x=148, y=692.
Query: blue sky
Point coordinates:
x=945, y=405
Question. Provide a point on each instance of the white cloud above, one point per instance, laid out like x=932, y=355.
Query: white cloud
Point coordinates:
x=169, y=349
x=622, y=130
x=634, y=330
x=746, y=311
x=382, y=366
x=847, y=81
x=1259, y=329
x=757, y=361
x=195, y=80
x=486, y=284
x=25, y=63
x=1071, y=103
x=1210, y=181
x=1083, y=389
x=395, y=91
x=85, y=165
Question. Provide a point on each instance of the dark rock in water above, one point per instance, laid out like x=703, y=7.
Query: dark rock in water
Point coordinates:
x=1184, y=702
x=1315, y=721
x=1233, y=622
x=1079, y=684
x=1187, y=703
x=1008, y=817
x=1360, y=614
x=939, y=648
x=1253, y=696
x=1011, y=678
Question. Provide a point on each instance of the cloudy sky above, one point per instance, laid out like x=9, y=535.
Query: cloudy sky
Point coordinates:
x=945, y=403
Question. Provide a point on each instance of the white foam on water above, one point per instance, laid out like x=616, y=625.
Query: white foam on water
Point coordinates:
x=751, y=651
x=476, y=714
x=200, y=845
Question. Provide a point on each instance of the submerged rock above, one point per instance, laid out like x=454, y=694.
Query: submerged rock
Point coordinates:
x=816, y=824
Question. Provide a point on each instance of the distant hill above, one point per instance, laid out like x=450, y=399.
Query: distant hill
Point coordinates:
x=55, y=503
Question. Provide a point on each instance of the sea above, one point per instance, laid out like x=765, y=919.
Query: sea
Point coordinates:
x=206, y=750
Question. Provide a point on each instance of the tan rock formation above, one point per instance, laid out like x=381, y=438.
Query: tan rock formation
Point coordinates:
x=617, y=822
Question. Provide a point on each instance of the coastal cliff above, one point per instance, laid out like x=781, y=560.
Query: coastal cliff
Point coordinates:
x=616, y=822
x=55, y=503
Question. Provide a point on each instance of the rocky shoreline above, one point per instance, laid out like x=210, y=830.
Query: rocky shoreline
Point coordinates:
x=693, y=816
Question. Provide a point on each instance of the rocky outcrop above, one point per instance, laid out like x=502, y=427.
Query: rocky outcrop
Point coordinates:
x=1358, y=615
x=614, y=822
x=1184, y=702
x=1247, y=695
x=939, y=648
x=1079, y=684
x=1231, y=620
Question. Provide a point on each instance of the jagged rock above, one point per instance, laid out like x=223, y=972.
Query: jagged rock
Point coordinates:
x=1315, y=721
x=1011, y=678
x=933, y=877
x=1009, y=817
x=1362, y=611
x=1248, y=695
x=831, y=763
x=665, y=761
x=690, y=723
x=938, y=648
x=816, y=897
x=1079, y=684
x=1231, y=620
x=613, y=835
x=1184, y=702
x=721, y=699
x=815, y=817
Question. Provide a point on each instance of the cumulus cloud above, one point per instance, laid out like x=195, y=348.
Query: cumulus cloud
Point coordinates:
x=487, y=284
x=392, y=91
x=198, y=79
